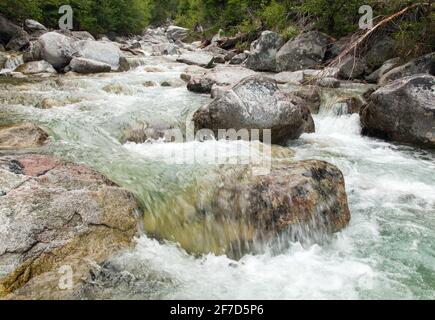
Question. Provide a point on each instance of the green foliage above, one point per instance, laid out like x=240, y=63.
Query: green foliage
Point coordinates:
x=95, y=16
x=274, y=16
x=19, y=10
x=414, y=35
x=290, y=32
x=415, y=38
x=336, y=17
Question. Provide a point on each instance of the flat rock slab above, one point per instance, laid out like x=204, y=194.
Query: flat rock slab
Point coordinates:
x=201, y=59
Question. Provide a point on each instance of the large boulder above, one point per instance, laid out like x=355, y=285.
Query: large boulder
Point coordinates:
x=20, y=42
x=57, y=216
x=424, y=64
x=34, y=29
x=381, y=50
x=175, y=33
x=7, y=30
x=386, y=67
x=56, y=49
x=221, y=75
x=21, y=136
x=104, y=52
x=33, y=25
x=35, y=67
x=82, y=65
x=263, y=52
x=305, y=51
x=220, y=55
x=352, y=67
x=154, y=36
x=240, y=212
x=403, y=111
x=255, y=103
x=201, y=59
x=12, y=36
x=82, y=35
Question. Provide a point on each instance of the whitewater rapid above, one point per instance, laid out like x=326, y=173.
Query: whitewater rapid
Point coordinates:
x=387, y=252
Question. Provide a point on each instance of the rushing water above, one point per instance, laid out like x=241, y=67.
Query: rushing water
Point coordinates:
x=388, y=250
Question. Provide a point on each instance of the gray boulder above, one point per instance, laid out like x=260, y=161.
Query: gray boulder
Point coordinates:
x=56, y=49
x=263, y=52
x=424, y=64
x=104, y=52
x=292, y=77
x=154, y=36
x=201, y=59
x=305, y=51
x=254, y=103
x=12, y=36
x=220, y=55
x=82, y=35
x=386, y=67
x=222, y=75
x=175, y=33
x=381, y=50
x=403, y=111
x=352, y=67
x=239, y=58
x=82, y=65
x=34, y=28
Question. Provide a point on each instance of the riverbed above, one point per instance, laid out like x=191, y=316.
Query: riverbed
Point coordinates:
x=387, y=251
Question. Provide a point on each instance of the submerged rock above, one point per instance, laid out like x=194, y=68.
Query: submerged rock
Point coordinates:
x=263, y=52
x=254, y=103
x=240, y=212
x=403, y=111
x=82, y=65
x=22, y=136
x=57, y=216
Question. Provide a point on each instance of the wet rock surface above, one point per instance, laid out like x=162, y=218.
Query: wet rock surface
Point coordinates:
x=55, y=214
x=20, y=136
